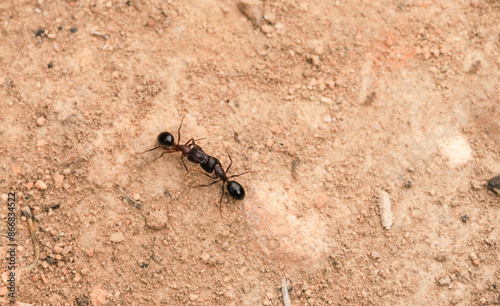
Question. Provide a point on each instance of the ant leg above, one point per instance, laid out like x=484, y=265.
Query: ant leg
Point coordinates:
x=236, y=175
x=213, y=178
x=182, y=160
x=163, y=154
x=150, y=150
x=207, y=184
x=179, y=130
x=191, y=141
x=227, y=170
x=220, y=201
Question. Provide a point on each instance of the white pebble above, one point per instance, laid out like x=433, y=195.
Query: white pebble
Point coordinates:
x=385, y=209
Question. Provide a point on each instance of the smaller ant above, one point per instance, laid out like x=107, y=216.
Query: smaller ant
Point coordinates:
x=190, y=149
x=234, y=188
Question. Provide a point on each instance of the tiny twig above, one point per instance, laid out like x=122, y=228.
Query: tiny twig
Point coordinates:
x=284, y=290
x=102, y=35
x=295, y=163
x=131, y=201
x=27, y=213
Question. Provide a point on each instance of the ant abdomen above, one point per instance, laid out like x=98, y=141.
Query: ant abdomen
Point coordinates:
x=235, y=190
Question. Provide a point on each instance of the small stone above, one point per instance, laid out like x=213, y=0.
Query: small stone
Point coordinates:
x=252, y=9
x=225, y=246
x=58, y=249
x=315, y=60
x=41, y=121
x=3, y=291
x=150, y=22
x=98, y=296
x=270, y=17
x=136, y=196
x=51, y=35
x=116, y=237
x=326, y=100
x=445, y=281
x=435, y=52
x=115, y=75
x=482, y=300
x=266, y=29
x=73, y=30
x=331, y=84
x=275, y=129
x=40, y=185
x=308, y=292
x=67, y=171
x=375, y=255
x=58, y=180
x=269, y=143
x=385, y=209
x=193, y=297
x=464, y=218
x=320, y=201
x=41, y=143
x=157, y=220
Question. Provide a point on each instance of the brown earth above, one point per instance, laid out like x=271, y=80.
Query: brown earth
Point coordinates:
x=325, y=102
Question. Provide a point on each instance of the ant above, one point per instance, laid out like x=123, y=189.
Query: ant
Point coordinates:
x=234, y=188
x=190, y=149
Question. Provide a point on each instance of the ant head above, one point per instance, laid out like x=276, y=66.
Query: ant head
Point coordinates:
x=235, y=190
x=165, y=139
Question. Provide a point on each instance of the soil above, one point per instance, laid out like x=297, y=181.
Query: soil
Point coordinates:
x=326, y=103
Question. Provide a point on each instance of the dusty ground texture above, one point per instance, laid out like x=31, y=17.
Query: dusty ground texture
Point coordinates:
x=326, y=102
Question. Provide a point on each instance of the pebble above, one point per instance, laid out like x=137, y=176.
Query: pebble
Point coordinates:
x=67, y=171
x=275, y=129
x=445, y=281
x=98, y=296
x=225, y=246
x=58, y=180
x=40, y=185
x=269, y=143
x=375, y=255
x=270, y=17
x=157, y=220
x=320, y=201
x=315, y=60
x=326, y=100
x=266, y=29
x=474, y=258
x=331, y=84
x=251, y=9
x=193, y=297
x=58, y=249
x=3, y=291
x=116, y=237
x=41, y=121
x=115, y=75
x=385, y=209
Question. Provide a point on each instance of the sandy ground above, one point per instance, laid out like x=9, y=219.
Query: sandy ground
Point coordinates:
x=327, y=103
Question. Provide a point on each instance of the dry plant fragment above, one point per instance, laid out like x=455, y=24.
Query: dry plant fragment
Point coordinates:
x=78, y=153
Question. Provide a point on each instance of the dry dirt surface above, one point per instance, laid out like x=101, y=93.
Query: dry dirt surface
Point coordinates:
x=328, y=104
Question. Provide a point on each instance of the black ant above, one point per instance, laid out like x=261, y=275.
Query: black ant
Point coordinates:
x=234, y=188
x=190, y=149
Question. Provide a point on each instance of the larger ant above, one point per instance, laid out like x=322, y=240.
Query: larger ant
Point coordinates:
x=190, y=149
